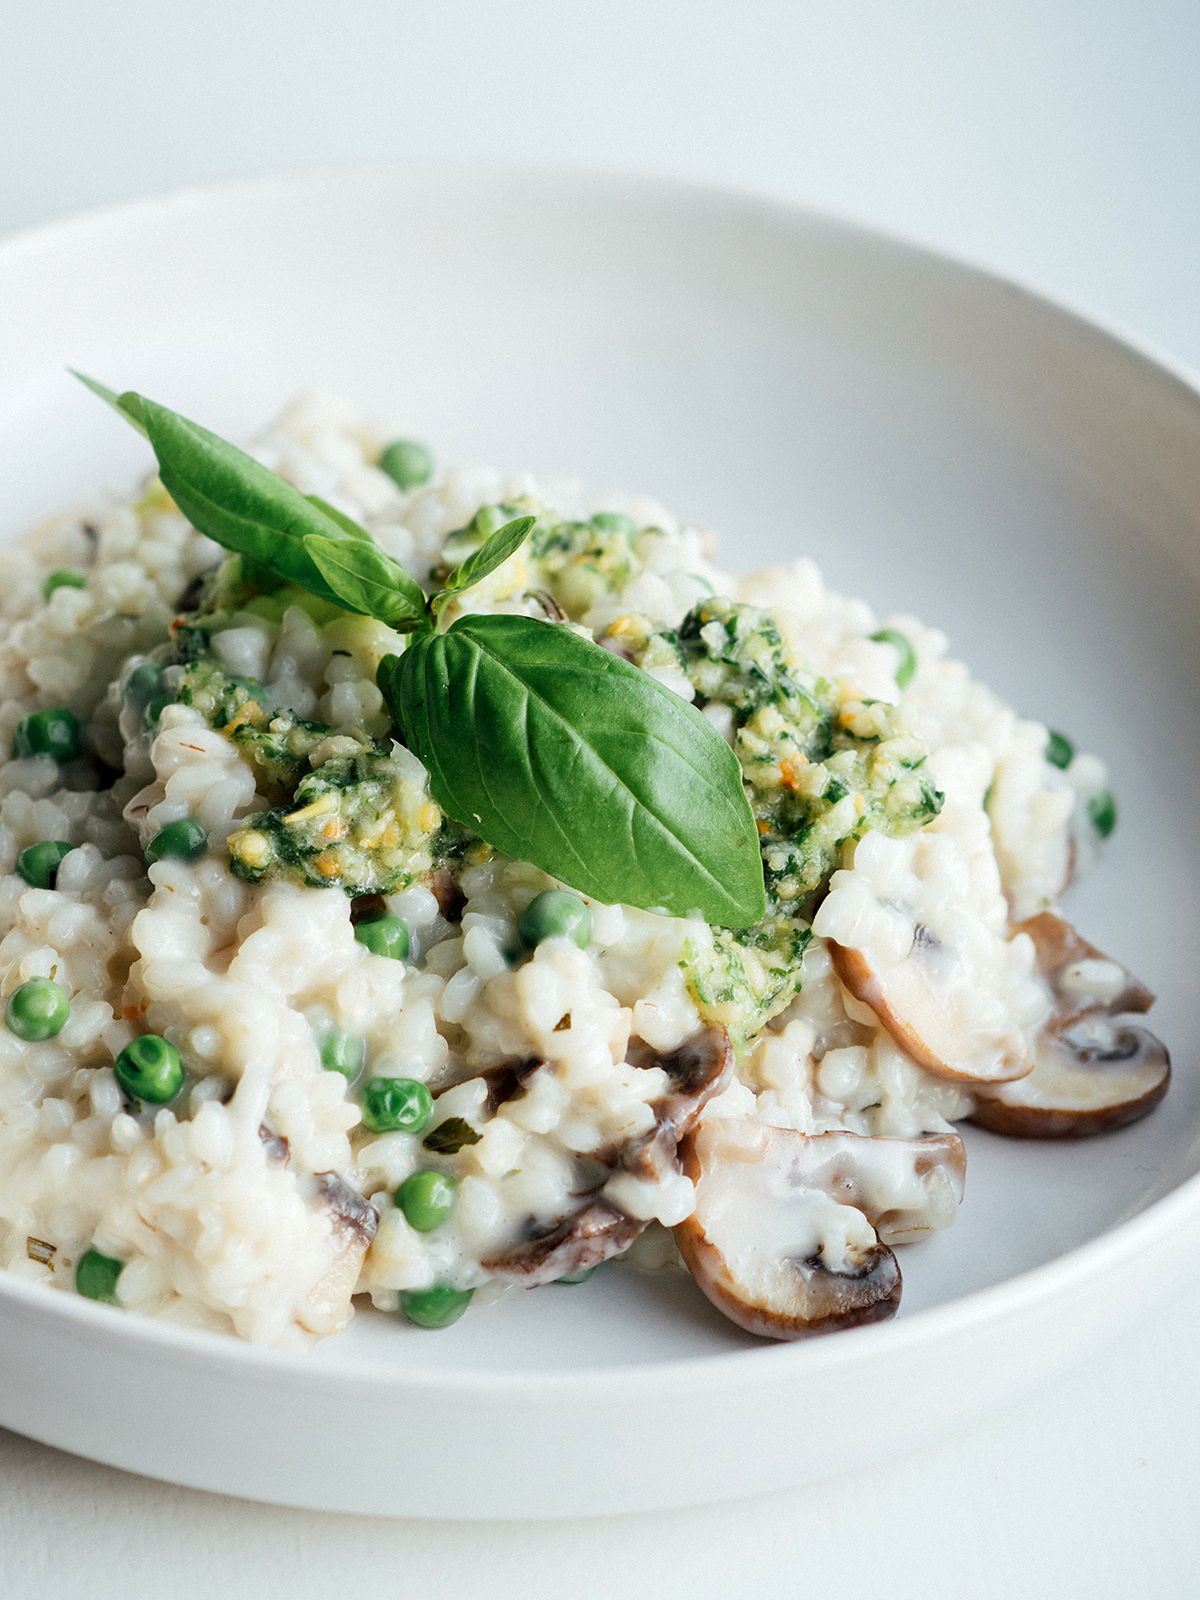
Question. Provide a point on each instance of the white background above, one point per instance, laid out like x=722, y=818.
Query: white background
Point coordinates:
x=1054, y=140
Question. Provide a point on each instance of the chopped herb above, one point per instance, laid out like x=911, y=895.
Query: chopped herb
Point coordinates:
x=449, y=1137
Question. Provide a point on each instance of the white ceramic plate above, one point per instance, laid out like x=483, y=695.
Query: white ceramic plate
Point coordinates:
x=941, y=442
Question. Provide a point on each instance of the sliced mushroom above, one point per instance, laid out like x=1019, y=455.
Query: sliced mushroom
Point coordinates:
x=906, y=1188
x=448, y=893
x=506, y=1082
x=193, y=592
x=1082, y=979
x=914, y=1001
x=1092, y=1078
x=275, y=1146
x=699, y=1068
x=907, y=939
x=1090, y=1075
x=772, y=1242
x=593, y=1234
x=326, y=1307
x=366, y=908
x=547, y=604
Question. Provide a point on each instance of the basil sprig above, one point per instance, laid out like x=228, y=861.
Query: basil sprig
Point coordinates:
x=551, y=749
x=248, y=508
x=492, y=553
x=560, y=753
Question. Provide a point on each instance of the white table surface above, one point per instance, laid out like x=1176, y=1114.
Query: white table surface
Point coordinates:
x=1054, y=140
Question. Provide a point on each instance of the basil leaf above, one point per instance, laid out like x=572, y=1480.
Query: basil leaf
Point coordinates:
x=492, y=553
x=345, y=523
x=129, y=404
x=229, y=496
x=558, y=752
x=367, y=580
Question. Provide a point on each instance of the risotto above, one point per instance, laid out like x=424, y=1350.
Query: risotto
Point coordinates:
x=285, y=1024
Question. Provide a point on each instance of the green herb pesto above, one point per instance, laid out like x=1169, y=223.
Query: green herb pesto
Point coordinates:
x=820, y=770
x=357, y=822
x=580, y=563
x=637, y=639
x=276, y=742
x=744, y=978
x=736, y=656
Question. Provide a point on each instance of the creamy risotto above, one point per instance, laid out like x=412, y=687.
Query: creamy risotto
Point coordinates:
x=282, y=1030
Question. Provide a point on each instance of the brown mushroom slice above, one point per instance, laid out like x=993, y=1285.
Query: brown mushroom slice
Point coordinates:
x=770, y=1247
x=593, y=1234
x=448, y=893
x=916, y=934
x=921, y=1001
x=275, y=1146
x=1082, y=979
x=326, y=1307
x=699, y=1069
x=906, y=1188
x=1090, y=1078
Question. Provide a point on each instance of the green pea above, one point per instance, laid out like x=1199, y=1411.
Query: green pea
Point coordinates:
x=38, y=864
x=1060, y=752
x=96, y=1276
x=53, y=732
x=155, y=708
x=344, y=1053
x=150, y=1068
x=436, y=1307
x=407, y=463
x=143, y=682
x=615, y=522
x=1102, y=809
x=426, y=1199
x=384, y=936
x=555, y=914
x=63, y=578
x=396, y=1105
x=37, y=1010
x=575, y=1277
x=907, y=664
x=185, y=839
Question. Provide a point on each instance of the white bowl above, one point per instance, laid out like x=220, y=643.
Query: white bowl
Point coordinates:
x=942, y=443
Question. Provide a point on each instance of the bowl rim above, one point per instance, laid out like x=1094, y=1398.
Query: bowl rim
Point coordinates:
x=721, y=1371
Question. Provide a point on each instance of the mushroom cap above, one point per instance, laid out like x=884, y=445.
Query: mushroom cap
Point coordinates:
x=1082, y=1084
x=1082, y=979
x=906, y=1188
x=914, y=1002
x=594, y=1233
x=1090, y=1075
x=913, y=935
x=695, y=1070
x=701, y=1067
x=772, y=1241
